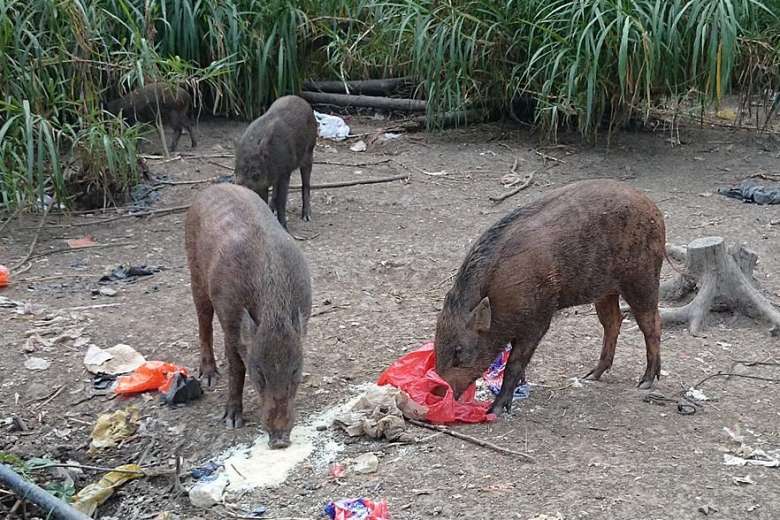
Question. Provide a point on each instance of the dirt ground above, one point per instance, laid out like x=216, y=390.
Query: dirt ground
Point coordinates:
x=381, y=258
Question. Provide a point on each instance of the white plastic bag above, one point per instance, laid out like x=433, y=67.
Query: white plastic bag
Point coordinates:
x=331, y=127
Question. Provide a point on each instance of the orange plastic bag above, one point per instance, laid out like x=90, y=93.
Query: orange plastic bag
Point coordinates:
x=5, y=276
x=415, y=374
x=152, y=375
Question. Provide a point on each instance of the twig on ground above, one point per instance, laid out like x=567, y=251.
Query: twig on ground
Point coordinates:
x=352, y=183
x=34, y=242
x=90, y=307
x=223, y=166
x=151, y=212
x=48, y=399
x=76, y=250
x=93, y=468
x=528, y=181
x=549, y=157
x=181, y=183
x=472, y=440
x=335, y=163
x=731, y=374
x=332, y=308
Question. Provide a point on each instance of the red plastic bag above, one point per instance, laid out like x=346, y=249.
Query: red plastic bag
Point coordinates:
x=152, y=375
x=415, y=374
x=357, y=509
x=5, y=276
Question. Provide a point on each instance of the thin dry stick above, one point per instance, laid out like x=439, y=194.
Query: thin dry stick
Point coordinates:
x=151, y=212
x=12, y=217
x=215, y=163
x=76, y=250
x=549, y=157
x=352, y=183
x=472, y=440
x=50, y=399
x=334, y=163
x=90, y=307
x=93, y=468
x=27, y=258
x=528, y=181
x=179, y=183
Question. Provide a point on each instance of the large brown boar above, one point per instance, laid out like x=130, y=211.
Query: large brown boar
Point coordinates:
x=248, y=270
x=272, y=147
x=589, y=241
x=143, y=104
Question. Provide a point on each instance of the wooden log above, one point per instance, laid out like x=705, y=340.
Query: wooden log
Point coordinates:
x=345, y=100
x=368, y=86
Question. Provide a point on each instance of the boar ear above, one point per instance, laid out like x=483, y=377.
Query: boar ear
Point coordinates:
x=480, y=316
x=248, y=326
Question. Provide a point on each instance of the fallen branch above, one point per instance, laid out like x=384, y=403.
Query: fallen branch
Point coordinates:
x=549, y=157
x=199, y=181
x=528, y=181
x=346, y=100
x=368, y=86
x=151, y=212
x=27, y=258
x=352, y=183
x=93, y=468
x=76, y=250
x=473, y=440
x=354, y=165
x=91, y=307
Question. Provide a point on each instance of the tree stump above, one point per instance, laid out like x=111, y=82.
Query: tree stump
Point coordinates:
x=723, y=279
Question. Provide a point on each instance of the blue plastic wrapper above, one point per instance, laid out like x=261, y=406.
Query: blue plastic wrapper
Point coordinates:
x=205, y=472
x=494, y=376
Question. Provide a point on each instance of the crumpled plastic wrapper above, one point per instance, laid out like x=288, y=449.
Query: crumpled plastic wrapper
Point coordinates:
x=379, y=413
x=110, y=428
x=93, y=495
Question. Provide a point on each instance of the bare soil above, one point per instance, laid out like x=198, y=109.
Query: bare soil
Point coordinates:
x=381, y=257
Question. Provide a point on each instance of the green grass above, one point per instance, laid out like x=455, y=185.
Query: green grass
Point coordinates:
x=588, y=63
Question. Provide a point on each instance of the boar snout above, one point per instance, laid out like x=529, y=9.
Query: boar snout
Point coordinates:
x=459, y=379
x=279, y=440
x=278, y=417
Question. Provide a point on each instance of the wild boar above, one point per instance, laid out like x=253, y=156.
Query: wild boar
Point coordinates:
x=143, y=104
x=249, y=270
x=589, y=241
x=272, y=147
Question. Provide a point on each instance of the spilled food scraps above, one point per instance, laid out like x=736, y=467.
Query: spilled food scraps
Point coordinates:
x=242, y=468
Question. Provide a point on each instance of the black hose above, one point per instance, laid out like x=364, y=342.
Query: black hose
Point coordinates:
x=51, y=506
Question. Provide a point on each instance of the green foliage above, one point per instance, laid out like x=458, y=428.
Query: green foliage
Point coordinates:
x=586, y=62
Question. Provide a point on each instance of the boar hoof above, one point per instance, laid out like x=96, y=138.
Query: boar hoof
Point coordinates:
x=646, y=384
x=233, y=417
x=500, y=407
x=209, y=375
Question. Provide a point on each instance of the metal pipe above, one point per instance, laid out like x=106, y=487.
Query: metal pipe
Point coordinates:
x=52, y=507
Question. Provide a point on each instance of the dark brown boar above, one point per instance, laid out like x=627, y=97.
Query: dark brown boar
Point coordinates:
x=272, y=147
x=143, y=104
x=589, y=241
x=249, y=270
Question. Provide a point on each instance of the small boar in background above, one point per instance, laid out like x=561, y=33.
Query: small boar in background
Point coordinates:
x=589, y=241
x=249, y=270
x=143, y=104
x=272, y=147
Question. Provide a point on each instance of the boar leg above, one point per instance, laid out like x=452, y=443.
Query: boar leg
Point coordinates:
x=188, y=124
x=608, y=309
x=514, y=373
x=280, y=199
x=176, y=123
x=650, y=324
x=306, y=185
x=234, y=409
x=205, y=312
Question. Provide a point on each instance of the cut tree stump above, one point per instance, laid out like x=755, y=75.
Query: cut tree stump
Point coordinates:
x=723, y=279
